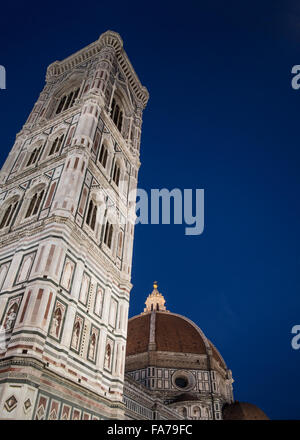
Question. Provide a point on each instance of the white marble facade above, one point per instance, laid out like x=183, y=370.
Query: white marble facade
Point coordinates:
x=66, y=234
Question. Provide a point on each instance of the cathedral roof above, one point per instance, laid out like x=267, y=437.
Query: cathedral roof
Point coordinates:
x=243, y=411
x=172, y=333
x=158, y=330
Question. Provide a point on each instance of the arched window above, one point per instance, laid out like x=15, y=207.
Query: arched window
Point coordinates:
x=117, y=115
x=33, y=156
x=91, y=215
x=67, y=101
x=103, y=155
x=35, y=203
x=184, y=412
x=116, y=174
x=55, y=147
x=108, y=234
x=8, y=214
x=96, y=142
x=197, y=412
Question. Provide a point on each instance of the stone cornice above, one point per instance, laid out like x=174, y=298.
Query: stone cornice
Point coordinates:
x=108, y=39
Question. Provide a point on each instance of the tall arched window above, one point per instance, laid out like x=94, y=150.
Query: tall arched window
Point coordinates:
x=33, y=156
x=109, y=230
x=8, y=215
x=35, y=203
x=103, y=155
x=91, y=215
x=116, y=114
x=67, y=101
x=116, y=174
x=55, y=147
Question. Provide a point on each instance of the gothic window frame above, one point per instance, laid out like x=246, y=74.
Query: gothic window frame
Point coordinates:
x=34, y=154
x=117, y=176
x=108, y=235
x=20, y=268
x=91, y=214
x=117, y=113
x=83, y=201
x=103, y=155
x=60, y=131
x=96, y=145
x=106, y=141
x=56, y=145
x=67, y=99
x=4, y=263
x=9, y=209
x=33, y=202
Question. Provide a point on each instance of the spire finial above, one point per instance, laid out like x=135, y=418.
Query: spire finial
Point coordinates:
x=155, y=284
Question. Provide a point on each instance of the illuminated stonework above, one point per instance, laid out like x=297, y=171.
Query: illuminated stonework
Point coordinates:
x=155, y=300
x=170, y=356
x=66, y=238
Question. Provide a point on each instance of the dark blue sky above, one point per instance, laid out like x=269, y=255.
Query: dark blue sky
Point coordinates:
x=222, y=116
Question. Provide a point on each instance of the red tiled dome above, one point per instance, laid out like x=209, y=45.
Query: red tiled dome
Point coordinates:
x=172, y=333
x=138, y=334
x=243, y=411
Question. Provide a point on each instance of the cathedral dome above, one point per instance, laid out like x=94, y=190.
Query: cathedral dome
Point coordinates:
x=171, y=356
x=243, y=411
x=173, y=333
x=157, y=330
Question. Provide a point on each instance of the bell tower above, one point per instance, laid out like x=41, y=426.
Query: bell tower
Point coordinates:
x=67, y=214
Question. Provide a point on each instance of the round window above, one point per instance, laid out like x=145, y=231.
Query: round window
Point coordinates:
x=181, y=382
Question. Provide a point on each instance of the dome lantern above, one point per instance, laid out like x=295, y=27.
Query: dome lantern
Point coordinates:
x=155, y=301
